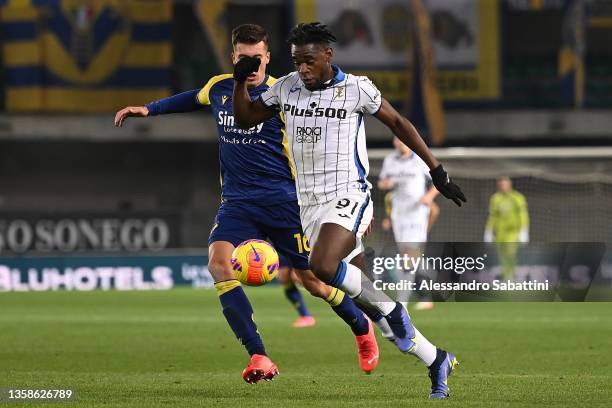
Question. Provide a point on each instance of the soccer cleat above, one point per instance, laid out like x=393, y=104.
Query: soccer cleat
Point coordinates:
x=260, y=368
x=367, y=349
x=439, y=372
x=402, y=328
x=304, y=321
x=424, y=306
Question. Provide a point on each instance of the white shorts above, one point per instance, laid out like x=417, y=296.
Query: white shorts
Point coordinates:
x=411, y=227
x=352, y=211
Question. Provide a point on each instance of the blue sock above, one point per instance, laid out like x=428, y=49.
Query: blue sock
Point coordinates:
x=238, y=313
x=349, y=312
x=296, y=299
x=398, y=324
x=373, y=314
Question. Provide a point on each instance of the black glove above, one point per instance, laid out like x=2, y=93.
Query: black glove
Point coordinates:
x=245, y=67
x=445, y=186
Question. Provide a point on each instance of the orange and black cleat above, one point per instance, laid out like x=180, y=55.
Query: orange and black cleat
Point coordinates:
x=260, y=368
x=367, y=348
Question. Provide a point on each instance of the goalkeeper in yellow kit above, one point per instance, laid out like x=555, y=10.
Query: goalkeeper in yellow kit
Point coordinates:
x=508, y=224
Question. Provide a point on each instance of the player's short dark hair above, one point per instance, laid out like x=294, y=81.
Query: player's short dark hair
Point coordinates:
x=311, y=33
x=250, y=34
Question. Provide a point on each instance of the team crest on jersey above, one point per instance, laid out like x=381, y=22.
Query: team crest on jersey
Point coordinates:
x=223, y=99
x=339, y=92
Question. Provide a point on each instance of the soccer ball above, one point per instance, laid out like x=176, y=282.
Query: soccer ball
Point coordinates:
x=255, y=262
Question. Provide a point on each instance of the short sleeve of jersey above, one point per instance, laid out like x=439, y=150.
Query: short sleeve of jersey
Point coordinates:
x=369, y=95
x=271, y=98
x=203, y=96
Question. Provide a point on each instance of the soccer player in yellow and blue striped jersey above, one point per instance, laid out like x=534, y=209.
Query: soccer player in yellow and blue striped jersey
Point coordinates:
x=258, y=201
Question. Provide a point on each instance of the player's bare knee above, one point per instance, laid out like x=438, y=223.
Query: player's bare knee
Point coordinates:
x=324, y=267
x=221, y=269
x=314, y=286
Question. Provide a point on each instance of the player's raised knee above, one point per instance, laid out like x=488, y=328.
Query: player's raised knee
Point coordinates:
x=324, y=267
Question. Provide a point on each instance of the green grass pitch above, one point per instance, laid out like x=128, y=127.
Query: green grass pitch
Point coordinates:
x=160, y=349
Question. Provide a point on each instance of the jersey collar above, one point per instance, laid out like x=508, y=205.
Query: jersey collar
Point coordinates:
x=262, y=83
x=338, y=77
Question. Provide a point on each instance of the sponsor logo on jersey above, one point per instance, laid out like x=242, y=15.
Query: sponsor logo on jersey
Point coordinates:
x=316, y=112
x=339, y=92
x=241, y=140
x=226, y=119
x=308, y=134
x=223, y=99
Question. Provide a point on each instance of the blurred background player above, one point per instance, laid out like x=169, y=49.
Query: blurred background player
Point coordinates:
x=434, y=213
x=507, y=224
x=408, y=176
x=289, y=281
x=258, y=202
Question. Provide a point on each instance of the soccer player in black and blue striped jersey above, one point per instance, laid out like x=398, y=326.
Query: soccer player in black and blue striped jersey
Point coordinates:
x=258, y=201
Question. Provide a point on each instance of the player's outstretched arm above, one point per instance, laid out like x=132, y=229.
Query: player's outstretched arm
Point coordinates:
x=133, y=111
x=179, y=103
x=407, y=133
x=247, y=113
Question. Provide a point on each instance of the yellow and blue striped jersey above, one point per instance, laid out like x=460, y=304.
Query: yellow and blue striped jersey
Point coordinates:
x=255, y=163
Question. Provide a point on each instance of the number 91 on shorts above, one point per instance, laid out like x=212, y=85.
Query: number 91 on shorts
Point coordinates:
x=352, y=211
